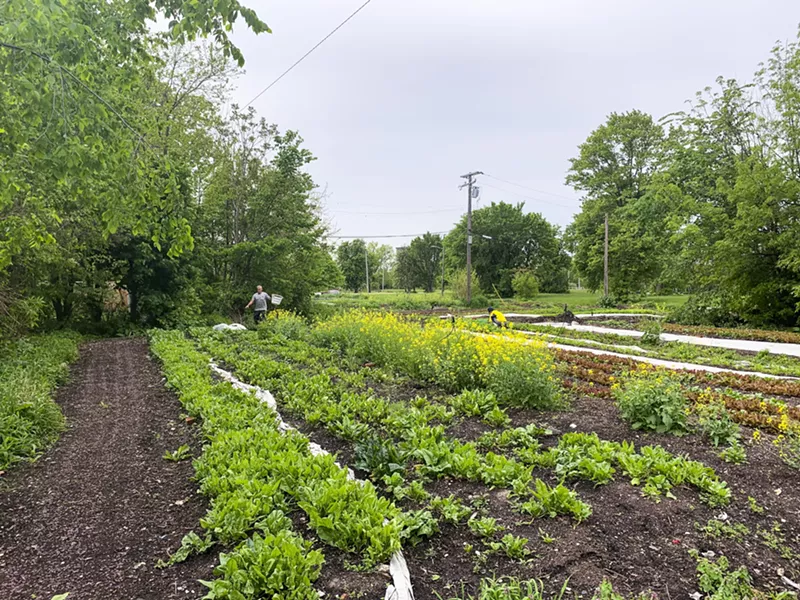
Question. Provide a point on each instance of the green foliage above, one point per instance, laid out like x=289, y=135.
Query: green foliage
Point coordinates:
x=553, y=501
x=182, y=453
x=652, y=400
x=515, y=547
x=284, y=323
x=484, y=527
x=788, y=445
x=420, y=263
x=278, y=564
x=716, y=423
x=458, y=284
x=190, y=544
x=719, y=529
x=734, y=454
x=351, y=257
x=519, y=240
x=718, y=582
x=30, y=370
x=451, y=509
x=525, y=285
x=415, y=526
x=497, y=417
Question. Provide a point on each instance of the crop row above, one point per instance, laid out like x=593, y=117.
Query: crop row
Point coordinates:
x=255, y=475
x=746, y=383
x=763, y=413
x=328, y=401
x=30, y=369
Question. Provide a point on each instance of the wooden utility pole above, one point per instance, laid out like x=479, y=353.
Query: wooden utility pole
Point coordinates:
x=366, y=265
x=605, y=261
x=470, y=177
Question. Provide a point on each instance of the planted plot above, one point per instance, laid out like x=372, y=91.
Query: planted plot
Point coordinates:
x=487, y=488
x=30, y=369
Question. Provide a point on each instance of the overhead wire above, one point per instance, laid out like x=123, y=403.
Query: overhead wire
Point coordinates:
x=527, y=197
x=307, y=54
x=372, y=237
x=529, y=188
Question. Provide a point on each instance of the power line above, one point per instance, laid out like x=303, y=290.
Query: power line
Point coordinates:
x=307, y=54
x=423, y=212
x=372, y=237
x=527, y=197
x=530, y=188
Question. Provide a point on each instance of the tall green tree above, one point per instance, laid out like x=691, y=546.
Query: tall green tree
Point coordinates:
x=614, y=169
x=506, y=239
x=351, y=257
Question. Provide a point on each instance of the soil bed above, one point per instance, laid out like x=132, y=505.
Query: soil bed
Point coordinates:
x=94, y=515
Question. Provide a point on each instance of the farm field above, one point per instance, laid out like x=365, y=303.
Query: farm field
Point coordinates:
x=483, y=458
x=543, y=303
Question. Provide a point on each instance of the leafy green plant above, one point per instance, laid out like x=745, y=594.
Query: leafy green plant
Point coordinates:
x=553, y=501
x=474, y=403
x=190, y=544
x=275, y=565
x=417, y=525
x=719, y=529
x=653, y=401
x=515, y=547
x=182, y=453
x=545, y=537
x=378, y=457
x=774, y=539
x=720, y=583
x=652, y=331
x=497, y=417
x=734, y=454
x=788, y=445
x=755, y=507
x=451, y=509
x=30, y=370
x=716, y=423
x=484, y=526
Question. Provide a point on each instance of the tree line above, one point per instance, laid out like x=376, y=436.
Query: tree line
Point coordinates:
x=704, y=201
x=508, y=245
x=119, y=170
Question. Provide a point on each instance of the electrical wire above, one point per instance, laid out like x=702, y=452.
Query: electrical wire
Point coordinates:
x=372, y=237
x=527, y=197
x=529, y=188
x=423, y=212
x=307, y=54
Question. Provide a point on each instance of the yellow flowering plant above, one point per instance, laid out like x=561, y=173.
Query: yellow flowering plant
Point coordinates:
x=518, y=370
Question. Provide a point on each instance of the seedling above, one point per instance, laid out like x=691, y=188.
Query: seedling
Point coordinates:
x=182, y=453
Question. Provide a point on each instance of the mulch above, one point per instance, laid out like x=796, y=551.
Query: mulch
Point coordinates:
x=95, y=513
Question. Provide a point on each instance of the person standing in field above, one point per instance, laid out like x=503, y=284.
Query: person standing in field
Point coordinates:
x=260, y=299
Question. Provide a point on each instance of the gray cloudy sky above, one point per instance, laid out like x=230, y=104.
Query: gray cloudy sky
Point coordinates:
x=410, y=95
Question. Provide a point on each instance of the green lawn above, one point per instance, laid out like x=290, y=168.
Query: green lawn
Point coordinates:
x=576, y=300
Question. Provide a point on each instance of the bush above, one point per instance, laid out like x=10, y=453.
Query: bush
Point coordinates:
x=525, y=285
x=285, y=323
x=652, y=400
x=458, y=284
x=709, y=309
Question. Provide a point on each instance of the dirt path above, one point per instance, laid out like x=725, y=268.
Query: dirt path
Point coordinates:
x=94, y=514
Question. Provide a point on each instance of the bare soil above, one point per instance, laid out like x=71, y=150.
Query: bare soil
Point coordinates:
x=94, y=514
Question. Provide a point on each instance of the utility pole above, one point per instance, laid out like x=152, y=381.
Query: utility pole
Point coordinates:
x=442, y=259
x=366, y=265
x=605, y=261
x=470, y=177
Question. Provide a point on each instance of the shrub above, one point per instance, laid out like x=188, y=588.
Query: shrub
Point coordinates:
x=286, y=323
x=458, y=284
x=525, y=284
x=652, y=400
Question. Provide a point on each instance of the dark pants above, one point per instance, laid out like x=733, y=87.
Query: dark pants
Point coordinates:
x=259, y=316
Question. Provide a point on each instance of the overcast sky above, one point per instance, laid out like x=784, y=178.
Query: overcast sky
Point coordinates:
x=411, y=94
